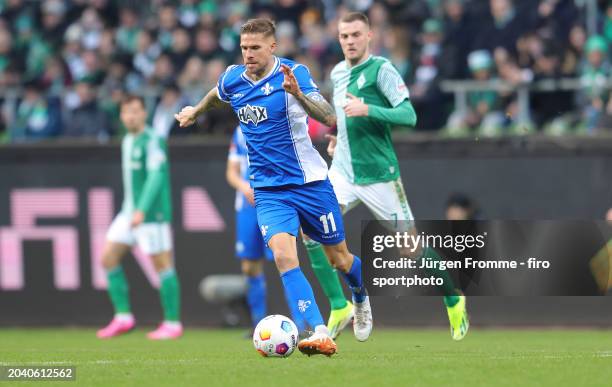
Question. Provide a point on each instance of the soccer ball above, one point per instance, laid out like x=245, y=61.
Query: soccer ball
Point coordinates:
x=275, y=336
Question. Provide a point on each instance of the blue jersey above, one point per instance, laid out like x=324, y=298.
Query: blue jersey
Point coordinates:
x=238, y=153
x=274, y=124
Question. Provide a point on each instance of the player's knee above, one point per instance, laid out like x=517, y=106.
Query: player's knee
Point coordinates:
x=109, y=260
x=108, y=263
x=251, y=268
x=285, y=261
x=161, y=261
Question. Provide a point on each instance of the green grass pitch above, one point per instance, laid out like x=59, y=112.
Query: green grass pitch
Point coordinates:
x=391, y=357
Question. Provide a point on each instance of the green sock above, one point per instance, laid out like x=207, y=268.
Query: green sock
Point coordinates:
x=170, y=294
x=326, y=274
x=118, y=290
x=448, y=287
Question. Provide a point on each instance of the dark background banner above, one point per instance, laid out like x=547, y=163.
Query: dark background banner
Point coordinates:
x=56, y=200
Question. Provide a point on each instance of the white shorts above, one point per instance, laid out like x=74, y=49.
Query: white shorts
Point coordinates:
x=387, y=200
x=152, y=238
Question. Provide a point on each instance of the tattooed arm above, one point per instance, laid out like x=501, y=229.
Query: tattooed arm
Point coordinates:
x=314, y=104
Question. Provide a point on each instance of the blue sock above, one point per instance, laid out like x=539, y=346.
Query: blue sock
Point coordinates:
x=301, y=295
x=353, y=279
x=256, y=297
x=296, y=316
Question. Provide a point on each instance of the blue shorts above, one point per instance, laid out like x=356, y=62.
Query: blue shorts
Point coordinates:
x=249, y=242
x=313, y=206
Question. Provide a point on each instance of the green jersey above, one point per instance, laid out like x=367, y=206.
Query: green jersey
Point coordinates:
x=146, y=177
x=364, y=153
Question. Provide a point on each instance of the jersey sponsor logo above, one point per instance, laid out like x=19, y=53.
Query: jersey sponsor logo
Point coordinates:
x=361, y=81
x=254, y=114
x=264, y=230
x=267, y=89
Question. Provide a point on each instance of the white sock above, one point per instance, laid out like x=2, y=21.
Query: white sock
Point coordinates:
x=173, y=324
x=124, y=317
x=322, y=329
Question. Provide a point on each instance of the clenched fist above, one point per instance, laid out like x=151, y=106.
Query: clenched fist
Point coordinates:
x=187, y=116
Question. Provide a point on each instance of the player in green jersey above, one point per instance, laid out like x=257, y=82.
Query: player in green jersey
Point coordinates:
x=144, y=220
x=370, y=97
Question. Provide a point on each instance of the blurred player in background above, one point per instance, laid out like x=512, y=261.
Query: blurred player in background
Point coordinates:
x=370, y=97
x=250, y=246
x=144, y=220
x=273, y=98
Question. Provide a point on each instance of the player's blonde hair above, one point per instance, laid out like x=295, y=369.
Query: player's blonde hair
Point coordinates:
x=355, y=16
x=259, y=26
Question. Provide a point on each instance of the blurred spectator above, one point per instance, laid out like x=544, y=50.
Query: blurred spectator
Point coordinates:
x=181, y=48
x=483, y=106
x=397, y=44
x=425, y=92
x=286, y=36
x=163, y=117
x=459, y=29
x=163, y=72
x=55, y=76
x=461, y=207
x=503, y=26
x=127, y=33
x=167, y=23
x=37, y=117
x=574, y=52
x=593, y=78
x=147, y=51
x=206, y=44
x=53, y=23
x=109, y=104
x=9, y=57
x=188, y=13
x=91, y=29
x=87, y=120
x=191, y=81
x=547, y=106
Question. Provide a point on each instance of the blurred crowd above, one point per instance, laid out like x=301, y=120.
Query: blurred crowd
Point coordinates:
x=66, y=64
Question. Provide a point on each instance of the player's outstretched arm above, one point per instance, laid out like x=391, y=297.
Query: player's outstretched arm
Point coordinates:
x=188, y=115
x=314, y=104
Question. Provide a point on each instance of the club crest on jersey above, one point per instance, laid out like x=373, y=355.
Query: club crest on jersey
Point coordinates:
x=264, y=230
x=254, y=114
x=361, y=81
x=267, y=89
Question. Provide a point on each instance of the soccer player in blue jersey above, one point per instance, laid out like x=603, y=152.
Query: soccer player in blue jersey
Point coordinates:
x=272, y=98
x=250, y=246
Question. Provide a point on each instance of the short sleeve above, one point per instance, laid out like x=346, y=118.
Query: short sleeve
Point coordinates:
x=222, y=92
x=391, y=84
x=304, y=79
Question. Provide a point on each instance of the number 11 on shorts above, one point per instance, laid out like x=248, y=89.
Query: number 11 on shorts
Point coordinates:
x=328, y=220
